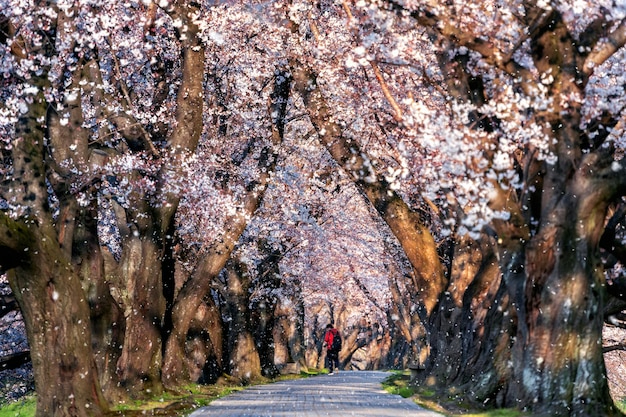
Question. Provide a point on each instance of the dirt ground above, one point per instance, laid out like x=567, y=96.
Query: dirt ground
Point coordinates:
x=615, y=360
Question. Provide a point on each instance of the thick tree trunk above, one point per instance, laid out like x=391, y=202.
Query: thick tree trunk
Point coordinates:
x=558, y=350
x=140, y=275
x=141, y=297
x=446, y=323
x=44, y=281
x=56, y=316
x=244, y=362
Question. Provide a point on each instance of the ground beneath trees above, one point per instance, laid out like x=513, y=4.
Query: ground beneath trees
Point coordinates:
x=347, y=393
x=615, y=360
x=17, y=383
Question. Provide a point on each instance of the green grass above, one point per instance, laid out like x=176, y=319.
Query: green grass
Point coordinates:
x=22, y=408
x=448, y=405
x=191, y=397
x=201, y=395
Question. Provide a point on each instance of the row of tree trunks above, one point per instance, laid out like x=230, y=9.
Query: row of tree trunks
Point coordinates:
x=213, y=261
x=416, y=240
x=529, y=319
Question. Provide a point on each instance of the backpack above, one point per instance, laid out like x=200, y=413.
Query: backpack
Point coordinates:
x=336, y=344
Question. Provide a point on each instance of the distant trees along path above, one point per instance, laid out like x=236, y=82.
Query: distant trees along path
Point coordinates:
x=191, y=189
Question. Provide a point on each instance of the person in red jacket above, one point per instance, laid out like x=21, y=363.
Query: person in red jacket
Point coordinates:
x=332, y=340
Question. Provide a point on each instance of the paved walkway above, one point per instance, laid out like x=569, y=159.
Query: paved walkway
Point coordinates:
x=348, y=393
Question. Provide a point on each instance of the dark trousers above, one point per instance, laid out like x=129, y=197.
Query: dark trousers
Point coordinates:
x=333, y=360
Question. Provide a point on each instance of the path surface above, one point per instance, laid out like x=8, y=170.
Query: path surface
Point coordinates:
x=348, y=393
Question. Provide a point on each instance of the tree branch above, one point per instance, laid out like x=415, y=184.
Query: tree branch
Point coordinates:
x=604, y=50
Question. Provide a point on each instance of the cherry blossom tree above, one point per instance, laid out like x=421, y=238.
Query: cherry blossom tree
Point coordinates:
x=469, y=155
x=516, y=151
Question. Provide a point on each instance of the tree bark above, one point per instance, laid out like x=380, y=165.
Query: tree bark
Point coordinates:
x=559, y=367
x=14, y=360
x=428, y=279
x=56, y=316
x=107, y=322
x=264, y=307
x=140, y=296
x=197, y=286
x=244, y=362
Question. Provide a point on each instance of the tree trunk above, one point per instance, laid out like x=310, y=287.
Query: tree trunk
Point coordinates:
x=244, y=362
x=8, y=303
x=186, y=304
x=143, y=268
x=197, y=286
x=45, y=283
x=56, y=316
x=263, y=325
x=139, y=364
x=558, y=350
x=107, y=322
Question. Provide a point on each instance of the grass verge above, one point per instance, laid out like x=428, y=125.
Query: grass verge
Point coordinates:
x=167, y=404
x=448, y=405
x=22, y=408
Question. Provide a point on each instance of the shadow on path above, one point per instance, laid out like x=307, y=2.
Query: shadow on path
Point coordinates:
x=348, y=393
